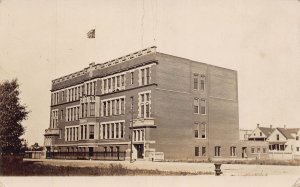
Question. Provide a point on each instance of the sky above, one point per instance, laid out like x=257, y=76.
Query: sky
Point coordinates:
x=41, y=40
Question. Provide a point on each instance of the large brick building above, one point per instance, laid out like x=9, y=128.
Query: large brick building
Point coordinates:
x=183, y=109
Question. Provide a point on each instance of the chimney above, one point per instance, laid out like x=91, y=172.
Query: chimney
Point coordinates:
x=91, y=64
x=258, y=125
x=284, y=126
x=271, y=126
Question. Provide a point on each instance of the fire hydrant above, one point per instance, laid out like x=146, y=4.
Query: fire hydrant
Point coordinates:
x=218, y=169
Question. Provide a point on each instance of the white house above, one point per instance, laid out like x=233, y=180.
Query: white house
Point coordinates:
x=284, y=143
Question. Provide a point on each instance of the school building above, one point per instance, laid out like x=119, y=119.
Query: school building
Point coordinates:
x=173, y=108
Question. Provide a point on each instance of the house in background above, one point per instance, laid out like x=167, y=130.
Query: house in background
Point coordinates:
x=261, y=133
x=284, y=143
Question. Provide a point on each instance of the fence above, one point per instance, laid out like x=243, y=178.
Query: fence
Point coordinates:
x=34, y=154
x=87, y=155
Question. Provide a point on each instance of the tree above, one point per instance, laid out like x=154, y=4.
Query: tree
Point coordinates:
x=12, y=113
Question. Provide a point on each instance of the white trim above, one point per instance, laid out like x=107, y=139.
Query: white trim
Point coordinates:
x=176, y=91
x=221, y=98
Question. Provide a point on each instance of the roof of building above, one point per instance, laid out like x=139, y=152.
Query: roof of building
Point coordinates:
x=286, y=133
x=293, y=130
x=266, y=130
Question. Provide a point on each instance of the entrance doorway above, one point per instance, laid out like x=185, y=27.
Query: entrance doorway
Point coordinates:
x=48, y=153
x=91, y=151
x=140, y=150
x=244, y=152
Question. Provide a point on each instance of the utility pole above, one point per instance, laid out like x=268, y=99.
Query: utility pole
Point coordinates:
x=131, y=160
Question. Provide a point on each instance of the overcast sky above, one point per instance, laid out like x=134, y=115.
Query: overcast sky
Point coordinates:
x=41, y=40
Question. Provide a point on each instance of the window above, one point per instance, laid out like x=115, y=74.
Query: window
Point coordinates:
x=147, y=75
x=203, y=151
x=109, y=84
x=92, y=109
x=131, y=77
x=298, y=149
x=104, y=109
x=195, y=81
x=62, y=95
x=103, y=131
x=203, y=130
x=144, y=105
x=117, y=130
x=117, y=106
x=252, y=150
x=108, y=131
x=113, y=106
x=277, y=137
x=105, y=85
x=122, y=130
x=196, y=133
x=81, y=132
x=122, y=80
x=122, y=106
x=297, y=137
x=60, y=133
x=112, y=130
x=232, y=151
x=143, y=76
x=61, y=114
x=202, y=83
x=196, y=106
x=217, y=151
x=203, y=106
x=260, y=133
x=108, y=108
x=264, y=150
x=113, y=83
x=258, y=150
x=118, y=82
x=196, y=151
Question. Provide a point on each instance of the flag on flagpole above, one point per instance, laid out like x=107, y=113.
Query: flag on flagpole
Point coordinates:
x=91, y=33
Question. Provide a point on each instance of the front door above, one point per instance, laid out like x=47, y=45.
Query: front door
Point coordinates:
x=140, y=150
x=244, y=152
x=48, y=153
x=91, y=151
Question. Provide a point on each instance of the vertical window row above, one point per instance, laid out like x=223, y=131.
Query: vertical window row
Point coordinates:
x=232, y=151
x=217, y=150
x=87, y=109
x=199, y=82
x=90, y=88
x=114, y=106
x=71, y=133
x=144, y=104
x=73, y=94
x=112, y=84
x=72, y=113
x=112, y=130
x=54, y=118
x=54, y=98
x=200, y=130
x=199, y=106
x=198, y=153
x=144, y=76
x=86, y=132
x=138, y=135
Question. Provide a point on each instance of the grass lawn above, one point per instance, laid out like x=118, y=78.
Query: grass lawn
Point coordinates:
x=32, y=168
